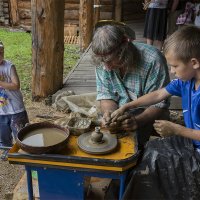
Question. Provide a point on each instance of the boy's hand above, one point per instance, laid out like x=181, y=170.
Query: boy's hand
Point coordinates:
x=164, y=128
x=117, y=113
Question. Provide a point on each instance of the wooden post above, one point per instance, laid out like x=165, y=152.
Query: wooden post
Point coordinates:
x=14, y=15
x=47, y=47
x=86, y=22
x=118, y=10
x=96, y=11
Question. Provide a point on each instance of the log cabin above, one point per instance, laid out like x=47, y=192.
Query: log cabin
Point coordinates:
x=51, y=20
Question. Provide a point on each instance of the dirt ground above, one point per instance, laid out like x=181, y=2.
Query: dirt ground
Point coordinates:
x=11, y=174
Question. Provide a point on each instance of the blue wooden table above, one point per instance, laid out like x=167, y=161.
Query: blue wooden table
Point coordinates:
x=62, y=176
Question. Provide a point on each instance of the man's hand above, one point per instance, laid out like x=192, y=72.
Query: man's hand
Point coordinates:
x=106, y=119
x=117, y=113
x=164, y=128
x=128, y=122
x=124, y=122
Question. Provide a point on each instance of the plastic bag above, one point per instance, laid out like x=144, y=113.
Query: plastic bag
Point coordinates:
x=169, y=169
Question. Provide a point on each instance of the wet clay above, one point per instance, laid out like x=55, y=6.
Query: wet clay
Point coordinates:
x=44, y=137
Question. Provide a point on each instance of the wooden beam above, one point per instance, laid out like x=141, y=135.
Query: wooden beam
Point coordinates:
x=96, y=11
x=86, y=22
x=14, y=16
x=47, y=47
x=118, y=10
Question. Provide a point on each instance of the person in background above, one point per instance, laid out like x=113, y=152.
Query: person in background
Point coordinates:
x=187, y=17
x=155, y=29
x=197, y=14
x=176, y=7
x=182, y=155
x=126, y=70
x=13, y=115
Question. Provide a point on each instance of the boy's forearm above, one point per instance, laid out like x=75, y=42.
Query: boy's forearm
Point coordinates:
x=9, y=86
x=146, y=100
x=186, y=132
x=150, y=115
x=14, y=84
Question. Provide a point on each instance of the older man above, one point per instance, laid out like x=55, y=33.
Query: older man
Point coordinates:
x=125, y=71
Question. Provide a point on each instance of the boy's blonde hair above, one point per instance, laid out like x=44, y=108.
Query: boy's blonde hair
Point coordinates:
x=185, y=43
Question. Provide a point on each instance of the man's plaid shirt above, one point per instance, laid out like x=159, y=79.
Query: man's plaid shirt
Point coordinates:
x=150, y=74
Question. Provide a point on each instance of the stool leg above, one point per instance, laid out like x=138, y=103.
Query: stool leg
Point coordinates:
x=29, y=183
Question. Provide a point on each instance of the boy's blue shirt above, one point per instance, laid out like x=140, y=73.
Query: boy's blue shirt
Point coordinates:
x=190, y=103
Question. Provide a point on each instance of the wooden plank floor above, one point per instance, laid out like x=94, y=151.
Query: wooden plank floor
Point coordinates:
x=82, y=77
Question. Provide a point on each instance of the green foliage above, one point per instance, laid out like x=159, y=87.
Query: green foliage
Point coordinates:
x=18, y=51
x=71, y=56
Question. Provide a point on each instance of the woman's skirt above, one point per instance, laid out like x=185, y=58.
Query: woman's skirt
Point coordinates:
x=156, y=24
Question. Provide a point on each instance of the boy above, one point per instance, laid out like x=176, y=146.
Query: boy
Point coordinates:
x=12, y=111
x=170, y=166
x=182, y=53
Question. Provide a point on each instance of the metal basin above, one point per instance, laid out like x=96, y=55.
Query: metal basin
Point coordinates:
x=44, y=137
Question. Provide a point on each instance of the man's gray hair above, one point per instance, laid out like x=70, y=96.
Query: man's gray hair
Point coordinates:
x=113, y=41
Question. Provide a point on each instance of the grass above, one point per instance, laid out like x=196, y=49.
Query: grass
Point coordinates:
x=18, y=51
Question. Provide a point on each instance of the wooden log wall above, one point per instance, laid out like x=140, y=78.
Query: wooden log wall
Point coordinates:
x=4, y=12
x=107, y=9
x=20, y=11
x=71, y=13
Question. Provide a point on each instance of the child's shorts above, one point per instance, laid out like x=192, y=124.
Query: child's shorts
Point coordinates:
x=10, y=125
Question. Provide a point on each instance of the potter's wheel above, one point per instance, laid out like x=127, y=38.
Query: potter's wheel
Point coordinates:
x=97, y=142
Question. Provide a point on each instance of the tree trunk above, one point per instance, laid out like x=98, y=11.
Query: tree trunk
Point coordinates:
x=47, y=47
x=86, y=22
